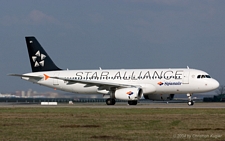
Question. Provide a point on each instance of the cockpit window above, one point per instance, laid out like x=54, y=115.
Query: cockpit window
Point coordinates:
x=203, y=76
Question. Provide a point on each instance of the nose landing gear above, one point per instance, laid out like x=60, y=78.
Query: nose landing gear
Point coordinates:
x=190, y=101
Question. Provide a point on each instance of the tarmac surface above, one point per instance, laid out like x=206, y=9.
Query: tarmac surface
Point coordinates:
x=117, y=105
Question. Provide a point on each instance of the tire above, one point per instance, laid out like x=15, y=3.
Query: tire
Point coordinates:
x=132, y=102
x=110, y=101
x=190, y=103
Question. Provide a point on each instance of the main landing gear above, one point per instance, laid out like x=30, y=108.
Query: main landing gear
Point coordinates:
x=134, y=102
x=190, y=102
x=110, y=101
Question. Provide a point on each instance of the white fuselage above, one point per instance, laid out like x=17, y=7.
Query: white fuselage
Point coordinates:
x=152, y=81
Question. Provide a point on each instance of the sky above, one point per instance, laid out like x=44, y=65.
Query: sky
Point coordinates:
x=112, y=34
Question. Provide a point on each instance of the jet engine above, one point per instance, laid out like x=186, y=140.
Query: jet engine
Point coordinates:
x=159, y=97
x=129, y=93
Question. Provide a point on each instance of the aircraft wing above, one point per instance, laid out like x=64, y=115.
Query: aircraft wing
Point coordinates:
x=101, y=85
x=89, y=83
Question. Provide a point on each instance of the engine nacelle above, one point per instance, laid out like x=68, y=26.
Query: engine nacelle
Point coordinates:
x=129, y=93
x=159, y=97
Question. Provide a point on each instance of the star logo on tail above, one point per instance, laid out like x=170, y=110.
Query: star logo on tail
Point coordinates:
x=38, y=59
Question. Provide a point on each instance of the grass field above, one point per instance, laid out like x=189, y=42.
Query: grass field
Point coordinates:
x=61, y=123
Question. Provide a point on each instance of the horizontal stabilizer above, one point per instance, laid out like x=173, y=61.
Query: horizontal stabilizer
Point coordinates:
x=29, y=76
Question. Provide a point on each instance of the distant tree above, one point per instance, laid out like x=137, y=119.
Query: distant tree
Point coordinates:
x=220, y=90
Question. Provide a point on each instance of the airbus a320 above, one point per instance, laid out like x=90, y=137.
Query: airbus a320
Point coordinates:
x=122, y=84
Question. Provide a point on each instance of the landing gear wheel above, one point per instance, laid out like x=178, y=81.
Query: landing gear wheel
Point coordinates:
x=190, y=103
x=132, y=102
x=110, y=101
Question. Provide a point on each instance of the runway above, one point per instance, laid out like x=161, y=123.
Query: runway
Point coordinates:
x=118, y=105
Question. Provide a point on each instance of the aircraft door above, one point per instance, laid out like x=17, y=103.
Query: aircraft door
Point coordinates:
x=55, y=81
x=185, y=79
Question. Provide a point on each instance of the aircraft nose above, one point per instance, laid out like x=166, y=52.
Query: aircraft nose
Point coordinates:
x=215, y=84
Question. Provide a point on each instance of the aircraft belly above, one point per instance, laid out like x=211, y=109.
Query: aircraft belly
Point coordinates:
x=82, y=88
x=76, y=87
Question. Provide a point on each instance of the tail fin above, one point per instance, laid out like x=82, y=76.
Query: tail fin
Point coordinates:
x=39, y=59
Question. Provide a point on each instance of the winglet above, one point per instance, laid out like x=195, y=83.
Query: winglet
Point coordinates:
x=46, y=76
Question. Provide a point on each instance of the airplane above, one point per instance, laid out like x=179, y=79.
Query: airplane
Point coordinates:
x=123, y=84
